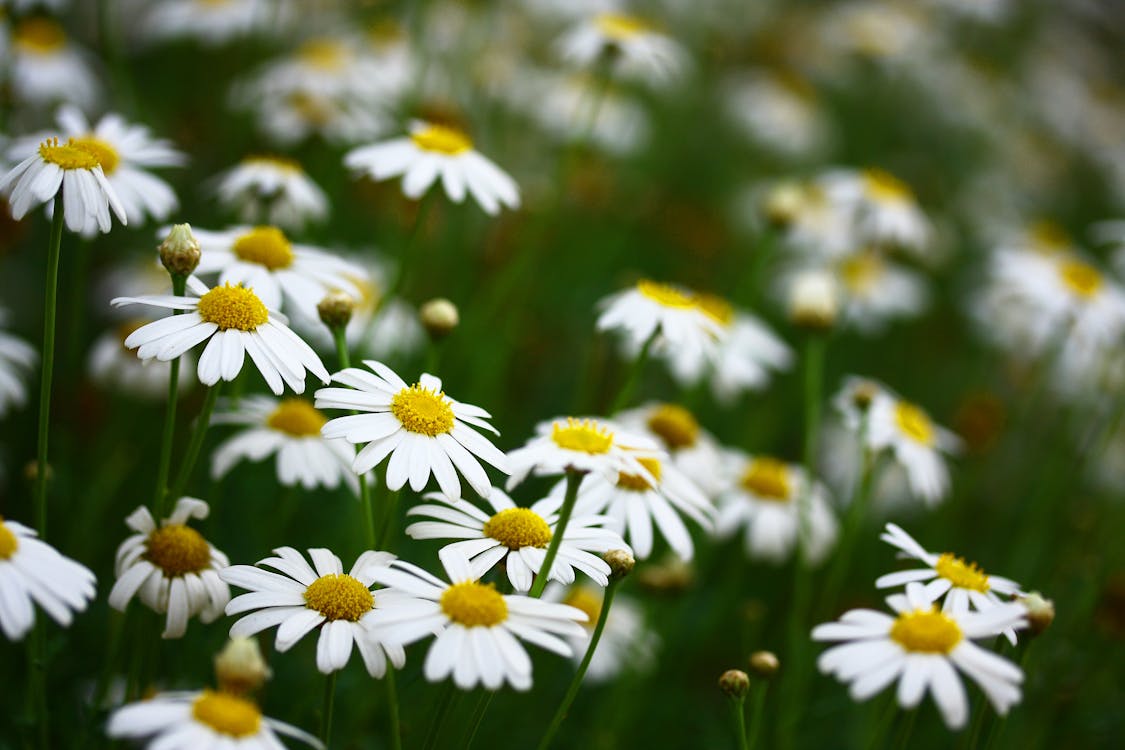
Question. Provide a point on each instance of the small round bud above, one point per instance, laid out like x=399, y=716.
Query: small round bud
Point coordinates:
x=735, y=683
x=863, y=394
x=239, y=667
x=179, y=252
x=620, y=563
x=440, y=317
x=764, y=663
x=1040, y=611
x=814, y=301
x=783, y=203
x=336, y=309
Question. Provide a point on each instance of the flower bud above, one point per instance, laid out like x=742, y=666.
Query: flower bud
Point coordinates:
x=814, y=301
x=179, y=252
x=735, y=683
x=239, y=667
x=620, y=563
x=764, y=664
x=336, y=309
x=783, y=203
x=440, y=317
x=1040, y=611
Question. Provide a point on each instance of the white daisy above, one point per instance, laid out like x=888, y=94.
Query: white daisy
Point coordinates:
x=290, y=119
x=171, y=568
x=202, y=720
x=885, y=210
x=581, y=445
x=692, y=449
x=765, y=497
x=915, y=442
x=32, y=571
x=432, y=151
x=920, y=647
x=518, y=537
x=635, y=48
x=876, y=291
x=237, y=323
x=47, y=67
x=778, y=111
x=423, y=430
x=289, y=428
x=964, y=585
x=817, y=222
x=342, y=605
x=216, y=22
x=115, y=367
x=274, y=190
x=17, y=361
x=476, y=627
x=338, y=68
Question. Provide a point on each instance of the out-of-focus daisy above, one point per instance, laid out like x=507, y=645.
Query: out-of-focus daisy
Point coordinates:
x=294, y=117
x=289, y=428
x=628, y=643
x=17, y=361
x=215, y=21
x=273, y=190
x=876, y=30
x=582, y=445
x=915, y=442
x=964, y=585
x=332, y=67
x=669, y=312
x=115, y=367
x=432, y=151
x=885, y=210
x=876, y=291
x=923, y=649
x=692, y=449
x=423, y=430
x=47, y=68
x=634, y=48
x=171, y=568
x=476, y=627
x=33, y=572
x=237, y=323
x=518, y=537
x=815, y=221
x=22, y=6
x=987, y=11
x=780, y=112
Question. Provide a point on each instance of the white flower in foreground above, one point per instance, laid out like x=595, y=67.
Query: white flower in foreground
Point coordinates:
x=916, y=443
x=171, y=568
x=114, y=367
x=234, y=322
x=17, y=361
x=635, y=48
x=289, y=428
x=202, y=720
x=47, y=68
x=476, y=627
x=518, y=537
x=920, y=647
x=214, y=22
x=964, y=585
x=423, y=430
x=582, y=445
x=301, y=599
x=692, y=449
x=433, y=151
x=628, y=643
x=273, y=190
x=33, y=572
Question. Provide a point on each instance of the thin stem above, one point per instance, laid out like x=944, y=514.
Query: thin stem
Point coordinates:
x=478, y=717
x=392, y=709
x=201, y=424
x=576, y=683
x=573, y=479
x=856, y=511
x=327, y=707
x=757, y=712
x=160, y=498
x=438, y=717
x=404, y=264
x=390, y=508
x=907, y=729
x=339, y=335
x=630, y=384
x=47, y=373
x=738, y=710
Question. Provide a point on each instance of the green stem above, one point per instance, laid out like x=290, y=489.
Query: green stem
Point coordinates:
x=860, y=500
x=573, y=479
x=478, y=717
x=757, y=713
x=738, y=710
x=576, y=683
x=438, y=717
x=339, y=335
x=392, y=709
x=160, y=499
x=326, y=709
x=630, y=384
x=387, y=525
x=907, y=729
x=814, y=384
x=201, y=424
x=47, y=373
x=404, y=264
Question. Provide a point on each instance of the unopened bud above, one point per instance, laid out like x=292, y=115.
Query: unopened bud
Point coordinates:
x=764, y=663
x=1040, y=611
x=179, y=252
x=814, y=301
x=735, y=683
x=239, y=667
x=620, y=563
x=783, y=203
x=863, y=394
x=440, y=317
x=336, y=309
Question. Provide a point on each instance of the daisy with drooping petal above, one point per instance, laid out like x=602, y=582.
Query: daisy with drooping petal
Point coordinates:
x=47, y=67
x=581, y=445
x=236, y=323
x=876, y=291
x=884, y=209
x=17, y=361
x=916, y=443
x=293, y=118
x=303, y=598
x=115, y=367
x=216, y=22
x=274, y=190
x=171, y=568
x=779, y=111
x=518, y=537
x=635, y=48
x=33, y=572
x=476, y=627
x=423, y=430
x=692, y=449
x=432, y=151
x=923, y=649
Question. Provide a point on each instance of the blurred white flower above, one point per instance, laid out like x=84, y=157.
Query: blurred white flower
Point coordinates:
x=272, y=190
x=48, y=68
x=631, y=46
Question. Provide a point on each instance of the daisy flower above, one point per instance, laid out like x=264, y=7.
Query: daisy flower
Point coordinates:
x=272, y=189
x=778, y=111
x=964, y=585
x=294, y=117
x=433, y=151
x=885, y=210
x=237, y=323
x=876, y=291
x=476, y=627
x=215, y=23
x=518, y=537
x=46, y=67
x=628, y=643
x=289, y=428
x=817, y=222
x=691, y=449
x=637, y=50
x=115, y=367
x=765, y=497
x=303, y=598
x=581, y=445
x=17, y=361
x=171, y=568
x=32, y=571
x=923, y=649
x=333, y=67
x=916, y=443
x=423, y=430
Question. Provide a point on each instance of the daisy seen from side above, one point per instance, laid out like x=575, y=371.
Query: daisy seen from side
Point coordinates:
x=916, y=443
x=47, y=67
x=581, y=445
x=691, y=448
x=272, y=189
x=17, y=362
x=635, y=48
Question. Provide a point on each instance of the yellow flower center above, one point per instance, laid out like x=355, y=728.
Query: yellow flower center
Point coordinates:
x=282, y=163
x=518, y=527
x=637, y=482
x=926, y=630
x=583, y=598
x=422, y=410
x=177, y=549
x=666, y=295
x=884, y=187
x=233, y=307
x=914, y=423
x=474, y=604
x=768, y=479
x=962, y=574
x=323, y=54
x=716, y=308
x=74, y=154
x=296, y=417
x=619, y=27
x=442, y=139
x=40, y=36
x=861, y=272
x=675, y=425
x=266, y=246
x=1081, y=278
x=582, y=435
x=227, y=714
x=8, y=541
x=339, y=597
x=106, y=154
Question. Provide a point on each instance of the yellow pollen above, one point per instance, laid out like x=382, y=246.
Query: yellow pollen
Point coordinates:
x=227, y=714
x=177, y=549
x=861, y=272
x=283, y=163
x=927, y=631
x=40, y=36
x=296, y=417
x=474, y=604
x=716, y=308
x=582, y=435
x=619, y=27
x=442, y=139
x=8, y=541
x=768, y=479
x=1080, y=278
x=675, y=425
x=962, y=574
x=233, y=307
x=637, y=482
x=587, y=600
x=884, y=187
x=914, y=423
x=70, y=155
x=422, y=410
x=106, y=154
x=323, y=54
x=518, y=527
x=339, y=597
x=266, y=246
x=666, y=295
